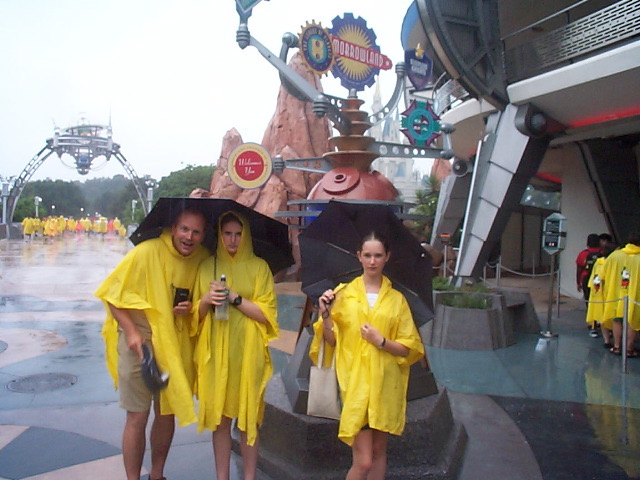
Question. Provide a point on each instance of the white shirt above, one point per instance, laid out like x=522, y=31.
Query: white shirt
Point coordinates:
x=371, y=298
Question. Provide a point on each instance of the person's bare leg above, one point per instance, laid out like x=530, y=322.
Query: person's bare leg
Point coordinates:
x=133, y=443
x=617, y=333
x=362, y=452
x=606, y=334
x=249, y=456
x=162, y=431
x=631, y=338
x=379, y=457
x=221, y=439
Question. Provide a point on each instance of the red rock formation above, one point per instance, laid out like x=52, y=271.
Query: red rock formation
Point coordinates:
x=441, y=168
x=293, y=132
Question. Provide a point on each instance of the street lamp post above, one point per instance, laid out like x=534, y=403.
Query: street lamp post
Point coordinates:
x=5, y=194
x=149, y=198
x=37, y=201
x=133, y=209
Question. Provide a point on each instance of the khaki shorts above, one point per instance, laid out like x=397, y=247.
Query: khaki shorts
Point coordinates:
x=134, y=395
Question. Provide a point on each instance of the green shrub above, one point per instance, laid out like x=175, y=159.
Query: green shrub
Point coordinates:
x=468, y=296
x=481, y=301
x=441, y=284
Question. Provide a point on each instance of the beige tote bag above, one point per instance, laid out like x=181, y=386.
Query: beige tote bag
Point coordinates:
x=324, y=392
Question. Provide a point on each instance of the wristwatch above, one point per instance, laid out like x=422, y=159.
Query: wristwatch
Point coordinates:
x=236, y=301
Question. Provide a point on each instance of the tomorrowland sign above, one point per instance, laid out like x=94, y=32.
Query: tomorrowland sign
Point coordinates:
x=348, y=49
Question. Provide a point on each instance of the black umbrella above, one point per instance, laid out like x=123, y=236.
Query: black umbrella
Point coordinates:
x=328, y=248
x=153, y=378
x=270, y=237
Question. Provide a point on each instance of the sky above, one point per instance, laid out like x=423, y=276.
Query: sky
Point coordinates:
x=167, y=73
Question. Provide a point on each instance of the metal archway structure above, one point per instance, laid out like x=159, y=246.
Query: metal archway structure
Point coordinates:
x=84, y=143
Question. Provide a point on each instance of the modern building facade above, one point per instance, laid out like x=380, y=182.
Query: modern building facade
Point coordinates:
x=543, y=93
x=400, y=171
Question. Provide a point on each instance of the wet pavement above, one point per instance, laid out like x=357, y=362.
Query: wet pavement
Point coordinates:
x=540, y=409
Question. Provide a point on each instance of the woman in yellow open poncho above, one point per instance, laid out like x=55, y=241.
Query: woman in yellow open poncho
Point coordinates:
x=376, y=342
x=232, y=358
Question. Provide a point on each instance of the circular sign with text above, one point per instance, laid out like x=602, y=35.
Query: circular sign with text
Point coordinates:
x=316, y=49
x=250, y=165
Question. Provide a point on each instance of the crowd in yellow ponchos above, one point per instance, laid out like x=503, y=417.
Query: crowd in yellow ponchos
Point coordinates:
x=53, y=226
x=613, y=279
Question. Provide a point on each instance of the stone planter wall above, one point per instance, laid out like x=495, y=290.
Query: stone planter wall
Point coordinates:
x=470, y=328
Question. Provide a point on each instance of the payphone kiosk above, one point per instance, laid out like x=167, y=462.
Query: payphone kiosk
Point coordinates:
x=554, y=239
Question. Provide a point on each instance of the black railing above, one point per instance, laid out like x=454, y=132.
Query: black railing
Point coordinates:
x=528, y=54
x=554, y=40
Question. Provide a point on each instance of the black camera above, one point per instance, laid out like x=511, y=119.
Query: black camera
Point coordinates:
x=182, y=295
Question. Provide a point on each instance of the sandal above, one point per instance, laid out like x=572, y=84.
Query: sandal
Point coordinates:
x=633, y=353
x=616, y=350
x=608, y=345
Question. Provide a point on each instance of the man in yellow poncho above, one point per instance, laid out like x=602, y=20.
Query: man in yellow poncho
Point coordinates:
x=376, y=341
x=71, y=225
x=86, y=224
x=102, y=225
x=621, y=273
x=37, y=227
x=139, y=299
x=28, y=228
x=232, y=356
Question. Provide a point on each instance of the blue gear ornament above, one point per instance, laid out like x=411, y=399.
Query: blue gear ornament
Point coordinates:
x=420, y=124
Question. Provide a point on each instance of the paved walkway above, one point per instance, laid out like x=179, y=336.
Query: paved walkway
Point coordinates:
x=541, y=409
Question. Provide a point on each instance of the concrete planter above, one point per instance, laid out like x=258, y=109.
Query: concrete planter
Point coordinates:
x=470, y=328
x=295, y=446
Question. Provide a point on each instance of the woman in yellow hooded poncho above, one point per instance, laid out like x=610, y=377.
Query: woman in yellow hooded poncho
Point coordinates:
x=621, y=273
x=232, y=358
x=376, y=341
x=595, y=308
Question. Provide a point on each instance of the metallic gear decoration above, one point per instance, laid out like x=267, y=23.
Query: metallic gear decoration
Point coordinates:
x=316, y=48
x=420, y=124
x=353, y=74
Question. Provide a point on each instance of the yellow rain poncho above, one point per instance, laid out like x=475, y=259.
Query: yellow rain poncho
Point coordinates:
x=145, y=280
x=232, y=358
x=378, y=393
x=595, y=310
x=626, y=259
x=28, y=227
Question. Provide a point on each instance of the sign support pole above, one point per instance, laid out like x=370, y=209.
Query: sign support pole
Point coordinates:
x=625, y=332
x=547, y=333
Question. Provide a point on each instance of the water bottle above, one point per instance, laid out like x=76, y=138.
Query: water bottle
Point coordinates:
x=222, y=310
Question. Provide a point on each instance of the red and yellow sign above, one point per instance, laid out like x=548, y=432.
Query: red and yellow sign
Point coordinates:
x=360, y=53
x=357, y=57
x=250, y=165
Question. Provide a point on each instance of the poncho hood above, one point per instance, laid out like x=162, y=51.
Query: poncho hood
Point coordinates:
x=631, y=249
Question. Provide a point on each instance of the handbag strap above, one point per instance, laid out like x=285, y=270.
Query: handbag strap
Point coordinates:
x=321, y=356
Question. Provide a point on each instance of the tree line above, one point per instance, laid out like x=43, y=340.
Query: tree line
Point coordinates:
x=108, y=197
